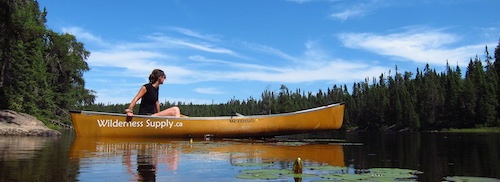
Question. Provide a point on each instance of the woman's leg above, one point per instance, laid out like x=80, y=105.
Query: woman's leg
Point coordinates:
x=173, y=111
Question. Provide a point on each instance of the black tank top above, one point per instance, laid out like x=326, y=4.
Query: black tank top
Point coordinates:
x=148, y=100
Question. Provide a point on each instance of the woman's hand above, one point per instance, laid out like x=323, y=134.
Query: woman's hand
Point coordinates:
x=129, y=112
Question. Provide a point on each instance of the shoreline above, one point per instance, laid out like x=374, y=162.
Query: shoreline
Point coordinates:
x=473, y=130
x=13, y=123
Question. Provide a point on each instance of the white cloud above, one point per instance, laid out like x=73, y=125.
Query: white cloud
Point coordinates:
x=270, y=50
x=197, y=45
x=349, y=13
x=235, y=65
x=313, y=65
x=81, y=34
x=209, y=90
x=191, y=33
x=338, y=70
x=351, y=9
x=421, y=46
x=190, y=61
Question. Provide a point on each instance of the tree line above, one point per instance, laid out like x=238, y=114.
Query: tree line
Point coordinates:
x=427, y=101
x=41, y=73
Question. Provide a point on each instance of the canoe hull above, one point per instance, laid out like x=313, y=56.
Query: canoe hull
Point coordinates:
x=99, y=124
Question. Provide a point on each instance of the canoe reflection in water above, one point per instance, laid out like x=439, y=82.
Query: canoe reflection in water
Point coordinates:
x=146, y=159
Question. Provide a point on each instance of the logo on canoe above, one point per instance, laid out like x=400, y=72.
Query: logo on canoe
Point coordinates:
x=137, y=124
x=245, y=120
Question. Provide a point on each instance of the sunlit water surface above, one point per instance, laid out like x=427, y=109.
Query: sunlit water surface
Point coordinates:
x=70, y=158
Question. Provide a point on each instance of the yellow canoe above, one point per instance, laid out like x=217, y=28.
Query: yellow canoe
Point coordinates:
x=100, y=124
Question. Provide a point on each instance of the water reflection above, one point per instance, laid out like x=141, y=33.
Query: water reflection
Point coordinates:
x=146, y=165
x=31, y=158
x=154, y=159
x=67, y=158
x=21, y=148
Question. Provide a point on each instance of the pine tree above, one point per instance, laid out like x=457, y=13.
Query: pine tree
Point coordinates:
x=491, y=87
x=497, y=70
x=41, y=71
x=429, y=98
x=410, y=116
x=485, y=109
x=267, y=102
x=469, y=98
x=65, y=58
x=395, y=106
x=453, y=87
x=284, y=100
x=348, y=106
x=23, y=78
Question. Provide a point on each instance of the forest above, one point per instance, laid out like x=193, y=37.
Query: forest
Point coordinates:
x=41, y=73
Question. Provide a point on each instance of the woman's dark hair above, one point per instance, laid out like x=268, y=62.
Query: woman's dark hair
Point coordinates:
x=157, y=73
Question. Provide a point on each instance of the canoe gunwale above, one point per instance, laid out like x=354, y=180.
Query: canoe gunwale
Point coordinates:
x=209, y=118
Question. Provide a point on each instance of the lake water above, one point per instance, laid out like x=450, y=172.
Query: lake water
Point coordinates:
x=68, y=158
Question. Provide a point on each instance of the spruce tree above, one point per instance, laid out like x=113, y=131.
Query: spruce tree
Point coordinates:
x=453, y=87
x=497, y=70
x=491, y=87
x=23, y=78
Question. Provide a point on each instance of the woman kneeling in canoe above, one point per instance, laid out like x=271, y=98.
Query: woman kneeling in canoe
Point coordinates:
x=149, y=98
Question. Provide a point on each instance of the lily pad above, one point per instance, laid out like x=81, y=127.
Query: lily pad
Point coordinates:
x=303, y=175
x=393, y=171
x=327, y=172
x=254, y=164
x=327, y=168
x=263, y=173
x=258, y=176
x=470, y=178
x=374, y=174
x=345, y=177
x=385, y=174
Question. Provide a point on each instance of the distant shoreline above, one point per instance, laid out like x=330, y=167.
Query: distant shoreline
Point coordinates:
x=448, y=130
x=474, y=130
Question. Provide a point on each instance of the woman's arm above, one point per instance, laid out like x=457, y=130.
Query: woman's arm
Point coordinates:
x=130, y=109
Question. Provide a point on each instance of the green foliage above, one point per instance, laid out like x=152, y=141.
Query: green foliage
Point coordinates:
x=41, y=71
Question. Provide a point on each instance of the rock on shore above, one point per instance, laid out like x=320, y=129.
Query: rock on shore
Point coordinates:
x=14, y=123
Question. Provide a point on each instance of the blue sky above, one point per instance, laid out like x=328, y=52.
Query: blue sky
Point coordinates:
x=217, y=50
